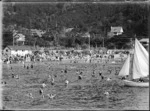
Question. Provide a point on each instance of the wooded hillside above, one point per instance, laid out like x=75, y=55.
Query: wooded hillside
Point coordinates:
x=95, y=18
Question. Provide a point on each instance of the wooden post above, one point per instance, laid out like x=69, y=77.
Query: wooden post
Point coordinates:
x=13, y=40
x=103, y=41
x=89, y=43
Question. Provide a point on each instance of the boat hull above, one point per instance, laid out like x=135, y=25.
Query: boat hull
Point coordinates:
x=135, y=84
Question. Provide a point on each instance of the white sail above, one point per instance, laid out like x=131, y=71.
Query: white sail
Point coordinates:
x=125, y=68
x=140, y=62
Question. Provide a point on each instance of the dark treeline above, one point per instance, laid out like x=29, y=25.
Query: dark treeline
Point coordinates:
x=95, y=18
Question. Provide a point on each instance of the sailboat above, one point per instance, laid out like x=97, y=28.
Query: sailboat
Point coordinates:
x=136, y=67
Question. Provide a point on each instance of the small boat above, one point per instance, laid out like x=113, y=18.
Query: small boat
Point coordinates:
x=139, y=67
x=136, y=84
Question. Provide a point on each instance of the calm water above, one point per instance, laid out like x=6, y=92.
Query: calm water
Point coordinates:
x=80, y=94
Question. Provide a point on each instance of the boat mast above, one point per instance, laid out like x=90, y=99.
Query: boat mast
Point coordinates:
x=131, y=68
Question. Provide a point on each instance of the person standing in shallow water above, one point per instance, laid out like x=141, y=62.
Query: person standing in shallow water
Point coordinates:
x=80, y=76
x=28, y=61
x=100, y=73
x=60, y=58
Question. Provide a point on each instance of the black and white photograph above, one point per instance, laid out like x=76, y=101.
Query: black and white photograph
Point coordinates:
x=74, y=54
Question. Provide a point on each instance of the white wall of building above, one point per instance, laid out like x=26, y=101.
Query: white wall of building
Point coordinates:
x=20, y=52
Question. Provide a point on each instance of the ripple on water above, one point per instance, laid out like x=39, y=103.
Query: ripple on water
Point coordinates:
x=86, y=94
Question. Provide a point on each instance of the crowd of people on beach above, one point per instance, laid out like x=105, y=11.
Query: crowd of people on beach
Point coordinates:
x=73, y=56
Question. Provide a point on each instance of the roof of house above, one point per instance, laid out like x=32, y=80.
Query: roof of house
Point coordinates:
x=116, y=29
x=144, y=40
x=21, y=47
x=37, y=32
x=68, y=29
x=86, y=34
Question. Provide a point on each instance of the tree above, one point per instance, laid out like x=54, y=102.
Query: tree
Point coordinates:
x=87, y=17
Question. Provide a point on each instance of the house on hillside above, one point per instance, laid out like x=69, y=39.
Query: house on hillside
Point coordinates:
x=65, y=30
x=145, y=43
x=17, y=50
x=86, y=35
x=115, y=31
x=38, y=33
x=18, y=37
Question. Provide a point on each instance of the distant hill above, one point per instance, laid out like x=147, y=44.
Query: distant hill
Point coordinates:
x=82, y=17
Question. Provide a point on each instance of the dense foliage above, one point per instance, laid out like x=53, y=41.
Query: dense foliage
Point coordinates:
x=95, y=18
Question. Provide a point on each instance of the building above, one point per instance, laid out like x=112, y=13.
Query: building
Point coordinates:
x=116, y=31
x=145, y=43
x=17, y=50
x=39, y=33
x=86, y=35
x=18, y=37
